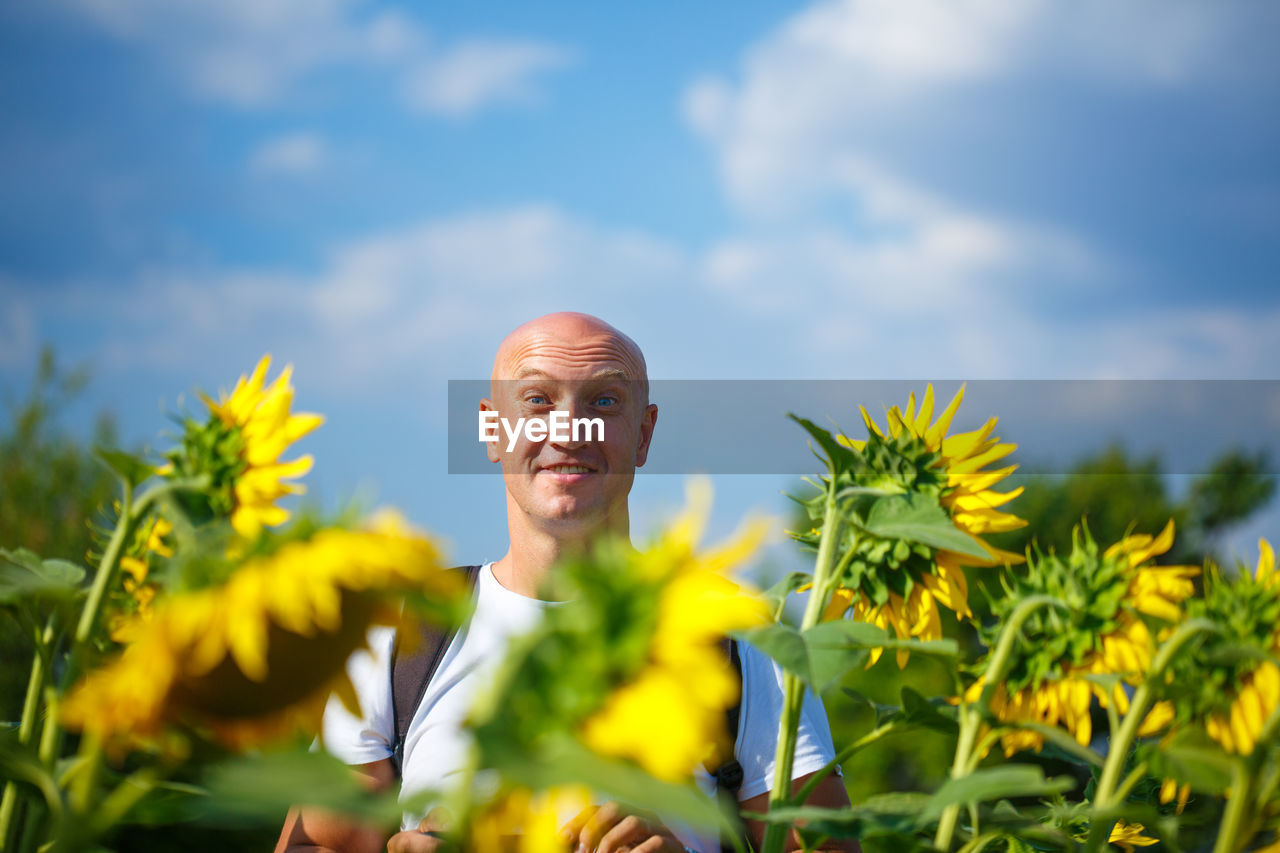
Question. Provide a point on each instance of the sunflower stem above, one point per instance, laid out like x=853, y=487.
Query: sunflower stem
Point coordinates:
x=988, y=741
x=803, y=792
x=1135, y=776
x=26, y=727
x=971, y=719
x=82, y=784
x=125, y=796
x=1249, y=792
x=792, y=686
x=131, y=513
x=106, y=568
x=1118, y=752
x=1234, y=818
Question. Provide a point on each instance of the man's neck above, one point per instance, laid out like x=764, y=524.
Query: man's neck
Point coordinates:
x=536, y=550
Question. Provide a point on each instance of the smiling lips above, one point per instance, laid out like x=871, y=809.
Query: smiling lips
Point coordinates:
x=568, y=469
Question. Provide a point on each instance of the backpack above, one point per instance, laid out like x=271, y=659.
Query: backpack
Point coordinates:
x=412, y=673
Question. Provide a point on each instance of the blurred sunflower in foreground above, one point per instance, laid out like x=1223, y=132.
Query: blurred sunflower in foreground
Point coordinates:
x=635, y=656
x=668, y=714
x=258, y=653
x=1101, y=630
x=1229, y=683
x=894, y=583
x=523, y=821
x=239, y=447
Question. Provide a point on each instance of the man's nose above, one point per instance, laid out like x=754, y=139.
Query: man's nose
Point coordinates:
x=566, y=440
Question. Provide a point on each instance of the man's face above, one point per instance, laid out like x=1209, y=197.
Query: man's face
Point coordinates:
x=576, y=486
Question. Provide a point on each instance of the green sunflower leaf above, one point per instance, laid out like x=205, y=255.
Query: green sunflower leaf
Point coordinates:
x=883, y=713
x=1063, y=742
x=260, y=789
x=23, y=576
x=564, y=761
x=1191, y=757
x=778, y=593
x=838, y=456
x=994, y=783
x=130, y=468
x=784, y=644
x=937, y=715
x=919, y=518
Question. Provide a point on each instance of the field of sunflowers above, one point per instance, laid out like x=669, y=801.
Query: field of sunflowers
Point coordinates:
x=179, y=674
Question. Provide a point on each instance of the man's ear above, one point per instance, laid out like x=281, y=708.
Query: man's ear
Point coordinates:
x=491, y=447
x=647, y=421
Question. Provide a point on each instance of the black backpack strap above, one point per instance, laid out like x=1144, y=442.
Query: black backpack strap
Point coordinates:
x=411, y=673
x=729, y=775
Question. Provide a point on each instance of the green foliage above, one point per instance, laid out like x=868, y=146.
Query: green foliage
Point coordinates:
x=1091, y=585
x=1207, y=676
x=50, y=488
x=827, y=651
x=214, y=449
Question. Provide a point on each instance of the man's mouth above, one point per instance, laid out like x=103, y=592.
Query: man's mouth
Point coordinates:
x=568, y=469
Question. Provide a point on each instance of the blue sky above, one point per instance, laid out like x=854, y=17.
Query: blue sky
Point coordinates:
x=378, y=192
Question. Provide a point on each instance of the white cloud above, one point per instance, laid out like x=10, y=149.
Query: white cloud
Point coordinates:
x=251, y=53
x=293, y=154
x=244, y=51
x=391, y=310
x=477, y=73
x=863, y=80
x=836, y=138
x=384, y=310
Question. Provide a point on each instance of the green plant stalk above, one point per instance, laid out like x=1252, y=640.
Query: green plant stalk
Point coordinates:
x=1134, y=777
x=1105, y=794
x=792, y=686
x=106, y=568
x=802, y=793
x=30, y=708
x=125, y=796
x=971, y=720
x=131, y=513
x=988, y=741
x=980, y=842
x=1235, y=816
x=81, y=787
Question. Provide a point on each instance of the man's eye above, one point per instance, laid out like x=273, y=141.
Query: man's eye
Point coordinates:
x=606, y=401
x=538, y=400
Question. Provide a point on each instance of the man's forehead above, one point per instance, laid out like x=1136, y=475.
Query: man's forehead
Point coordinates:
x=604, y=374
x=568, y=350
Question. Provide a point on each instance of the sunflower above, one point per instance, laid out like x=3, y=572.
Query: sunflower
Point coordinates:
x=668, y=715
x=239, y=448
x=895, y=585
x=634, y=656
x=1256, y=692
x=1129, y=836
x=133, y=606
x=1231, y=694
x=524, y=821
x=258, y=654
x=136, y=566
x=1101, y=631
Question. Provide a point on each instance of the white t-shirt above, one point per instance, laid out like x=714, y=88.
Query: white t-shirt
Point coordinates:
x=435, y=747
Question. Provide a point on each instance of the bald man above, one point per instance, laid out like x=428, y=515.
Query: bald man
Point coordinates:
x=561, y=496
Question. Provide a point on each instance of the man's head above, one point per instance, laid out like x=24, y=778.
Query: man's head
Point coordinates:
x=581, y=365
